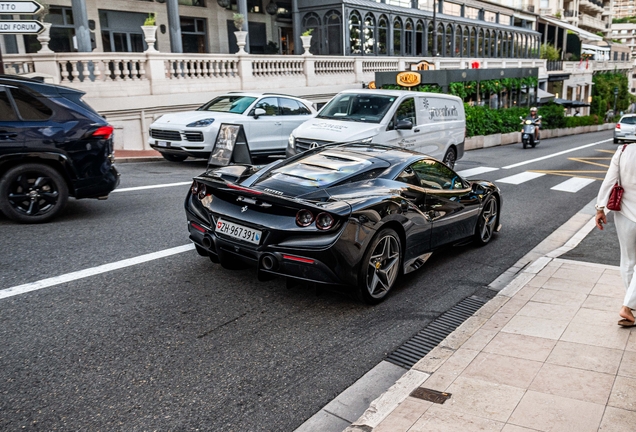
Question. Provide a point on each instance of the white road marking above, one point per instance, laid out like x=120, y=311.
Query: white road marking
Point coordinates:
x=573, y=185
x=152, y=186
x=520, y=178
x=475, y=171
x=69, y=277
x=555, y=154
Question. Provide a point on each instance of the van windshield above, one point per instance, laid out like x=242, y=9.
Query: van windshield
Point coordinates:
x=367, y=108
x=232, y=104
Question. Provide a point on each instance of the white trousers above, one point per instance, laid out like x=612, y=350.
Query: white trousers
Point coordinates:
x=626, y=230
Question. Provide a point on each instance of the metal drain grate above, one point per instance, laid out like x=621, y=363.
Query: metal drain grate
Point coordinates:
x=416, y=348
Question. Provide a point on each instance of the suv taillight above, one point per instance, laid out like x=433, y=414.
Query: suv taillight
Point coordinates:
x=104, y=132
x=618, y=125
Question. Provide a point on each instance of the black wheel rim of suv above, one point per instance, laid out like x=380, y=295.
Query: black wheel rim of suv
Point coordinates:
x=33, y=194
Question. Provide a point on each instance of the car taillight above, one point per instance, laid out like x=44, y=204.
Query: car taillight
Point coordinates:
x=304, y=218
x=618, y=125
x=194, y=188
x=324, y=221
x=203, y=191
x=103, y=132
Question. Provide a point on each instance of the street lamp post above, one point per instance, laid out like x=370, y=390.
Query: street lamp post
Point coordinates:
x=434, y=51
x=615, y=94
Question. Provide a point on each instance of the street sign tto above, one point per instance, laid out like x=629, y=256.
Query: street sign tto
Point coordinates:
x=21, y=27
x=19, y=7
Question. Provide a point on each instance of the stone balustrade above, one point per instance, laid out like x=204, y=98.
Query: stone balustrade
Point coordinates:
x=112, y=75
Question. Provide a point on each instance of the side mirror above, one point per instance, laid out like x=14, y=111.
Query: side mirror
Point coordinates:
x=259, y=112
x=477, y=189
x=404, y=125
x=520, y=118
x=540, y=117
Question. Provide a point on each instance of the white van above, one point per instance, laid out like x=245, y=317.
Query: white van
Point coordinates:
x=431, y=123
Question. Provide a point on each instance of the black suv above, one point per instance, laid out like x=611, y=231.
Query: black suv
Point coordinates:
x=52, y=145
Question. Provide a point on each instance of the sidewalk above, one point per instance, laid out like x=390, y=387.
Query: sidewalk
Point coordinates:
x=123, y=156
x=545, y=354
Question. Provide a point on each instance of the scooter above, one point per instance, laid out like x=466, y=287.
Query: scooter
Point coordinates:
x=527, y=132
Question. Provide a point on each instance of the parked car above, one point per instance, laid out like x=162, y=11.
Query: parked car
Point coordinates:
x=355, y=215
x=625, y=129
x=267, y=119
x=431, y=123
x=52, y=146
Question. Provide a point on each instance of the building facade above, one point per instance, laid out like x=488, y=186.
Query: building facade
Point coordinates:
x=340, y=27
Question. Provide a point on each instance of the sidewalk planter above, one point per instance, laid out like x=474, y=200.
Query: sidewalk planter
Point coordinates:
x=150, y=36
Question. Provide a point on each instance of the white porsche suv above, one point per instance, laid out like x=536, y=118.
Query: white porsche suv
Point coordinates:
x=267, y=120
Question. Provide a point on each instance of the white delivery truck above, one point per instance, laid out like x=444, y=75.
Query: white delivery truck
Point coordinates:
x=430, y=123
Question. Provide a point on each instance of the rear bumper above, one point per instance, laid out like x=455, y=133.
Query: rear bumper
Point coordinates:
x=97, y=187
x=313, y=265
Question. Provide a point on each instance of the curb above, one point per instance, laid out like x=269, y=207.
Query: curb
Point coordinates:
x=138, y=159
x=562, y=240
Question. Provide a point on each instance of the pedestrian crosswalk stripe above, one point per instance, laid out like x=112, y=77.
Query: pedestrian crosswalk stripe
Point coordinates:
x=520, y=178
x=475, y=171
x=574, y=184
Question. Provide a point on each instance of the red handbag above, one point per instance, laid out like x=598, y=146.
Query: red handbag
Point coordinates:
x=614, y=201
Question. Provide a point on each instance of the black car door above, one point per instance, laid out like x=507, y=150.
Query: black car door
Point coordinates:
x=449, y=203
x=418, y=231
x=11, y=133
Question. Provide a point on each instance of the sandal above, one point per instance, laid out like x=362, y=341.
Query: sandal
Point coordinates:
x=626, y=323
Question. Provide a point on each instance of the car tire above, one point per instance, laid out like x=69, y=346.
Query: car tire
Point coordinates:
x=615, y=140
x=32, y=193
x=174, y=157
x=450, y=157
x=487, y=221
x=381, y=266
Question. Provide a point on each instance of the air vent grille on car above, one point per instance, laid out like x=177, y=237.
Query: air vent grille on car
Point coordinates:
x=166, y=135
x=303, y=144
x=194, y=136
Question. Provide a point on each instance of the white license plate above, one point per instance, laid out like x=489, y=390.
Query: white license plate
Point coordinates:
x=164, y=143
x=238, y=232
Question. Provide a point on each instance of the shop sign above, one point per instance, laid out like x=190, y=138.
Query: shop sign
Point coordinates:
x=408, y=79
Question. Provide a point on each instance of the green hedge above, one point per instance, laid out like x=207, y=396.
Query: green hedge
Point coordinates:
x=481, y=120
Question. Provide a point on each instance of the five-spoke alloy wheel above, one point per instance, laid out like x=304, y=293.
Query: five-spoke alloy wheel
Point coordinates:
x=450, y=157
x=487, y=223
x=32, y=193
x=381, y=266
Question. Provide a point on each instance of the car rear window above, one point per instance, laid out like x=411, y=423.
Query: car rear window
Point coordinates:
x=628, y=120
x=29, y=107
x=6, y=110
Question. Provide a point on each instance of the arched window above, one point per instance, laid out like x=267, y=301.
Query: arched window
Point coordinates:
x=498, y=46
x=465, y=42
x=458, y=41
x=480, y=43
x=487, y=43
x=408, y=38
x=355, y=36
x=473, y=43
x=440, y=39
x=383, y=35
x=493, y=44
x=312, y=21
x=397, y=37
x=419, y=38
x=448, y=41
x=369, y=34
x=333, y=23
x=429, y=48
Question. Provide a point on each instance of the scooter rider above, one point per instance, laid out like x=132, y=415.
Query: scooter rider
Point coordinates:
x=537, y=122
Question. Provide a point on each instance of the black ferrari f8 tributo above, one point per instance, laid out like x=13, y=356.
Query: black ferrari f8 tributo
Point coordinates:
x=356, y=215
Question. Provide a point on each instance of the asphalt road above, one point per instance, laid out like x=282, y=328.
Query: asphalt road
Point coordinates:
x=178, y=343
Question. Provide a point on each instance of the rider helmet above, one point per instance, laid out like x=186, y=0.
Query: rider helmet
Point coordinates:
x=533, y=109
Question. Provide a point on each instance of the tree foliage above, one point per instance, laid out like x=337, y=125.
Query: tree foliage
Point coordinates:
x=603, y=93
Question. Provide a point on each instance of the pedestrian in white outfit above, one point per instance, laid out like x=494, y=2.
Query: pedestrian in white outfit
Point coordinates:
x=623, y=164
